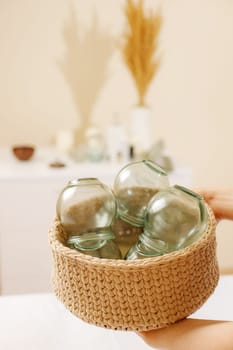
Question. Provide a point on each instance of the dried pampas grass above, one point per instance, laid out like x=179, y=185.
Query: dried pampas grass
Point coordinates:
x=140, y=42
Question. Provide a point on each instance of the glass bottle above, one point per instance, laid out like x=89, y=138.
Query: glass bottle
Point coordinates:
x=95, y=147
x=175, y=218
x=86, y=208
x=134, y=186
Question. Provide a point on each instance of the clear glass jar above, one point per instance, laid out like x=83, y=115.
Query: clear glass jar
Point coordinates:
x=86, y=208
x=134, y=186
x=175, y=218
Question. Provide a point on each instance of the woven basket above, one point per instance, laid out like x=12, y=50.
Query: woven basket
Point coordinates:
x=138, y=294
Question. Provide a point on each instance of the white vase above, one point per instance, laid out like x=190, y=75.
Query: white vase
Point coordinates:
x=141, y=129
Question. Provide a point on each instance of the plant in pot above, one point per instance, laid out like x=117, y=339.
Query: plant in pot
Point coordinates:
x=85, y=70
x=139, y=46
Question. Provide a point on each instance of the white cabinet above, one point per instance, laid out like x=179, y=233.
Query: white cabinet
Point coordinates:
x=28, y=194
x=27, y=210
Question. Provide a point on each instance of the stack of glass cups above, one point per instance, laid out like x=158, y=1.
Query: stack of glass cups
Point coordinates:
x=175, y=217
x=134, y=186
x=86, y=208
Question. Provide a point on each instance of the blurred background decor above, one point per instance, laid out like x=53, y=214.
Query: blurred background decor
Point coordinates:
x=85, y=70
x=95, y=146
x=23, y=152
x=139, y=51
x=157, y=154
x=116, y=140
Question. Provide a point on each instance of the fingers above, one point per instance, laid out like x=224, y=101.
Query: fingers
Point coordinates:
x=214, y=194
x=221, y=202
x=207, y=195
x=223, y=209
x=193, y=334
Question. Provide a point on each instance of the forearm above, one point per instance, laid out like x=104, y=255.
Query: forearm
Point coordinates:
x=192, y=334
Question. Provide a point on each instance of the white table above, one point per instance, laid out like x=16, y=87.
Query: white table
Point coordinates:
x=29, y=191
x=41, y=322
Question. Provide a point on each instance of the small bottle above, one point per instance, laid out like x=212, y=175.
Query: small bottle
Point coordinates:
x=116, y=141
x=175, y=218
x=86, y=208
x=134, y=186
x=95, y=147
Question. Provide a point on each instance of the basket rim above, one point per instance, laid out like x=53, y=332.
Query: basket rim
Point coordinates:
x=59, y=248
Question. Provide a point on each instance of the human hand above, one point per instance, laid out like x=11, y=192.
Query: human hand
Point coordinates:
x=198, y=334
x=220, y=201
x=191, y=334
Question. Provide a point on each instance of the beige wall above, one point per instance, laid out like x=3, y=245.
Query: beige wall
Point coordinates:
x=191, y=96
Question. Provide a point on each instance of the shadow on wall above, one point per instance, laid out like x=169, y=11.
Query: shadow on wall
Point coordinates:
x=84, y=65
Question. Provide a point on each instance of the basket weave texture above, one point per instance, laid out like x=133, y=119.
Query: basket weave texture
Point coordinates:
x=138, y=294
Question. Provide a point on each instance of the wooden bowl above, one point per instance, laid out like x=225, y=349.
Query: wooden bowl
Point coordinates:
x=23, y=152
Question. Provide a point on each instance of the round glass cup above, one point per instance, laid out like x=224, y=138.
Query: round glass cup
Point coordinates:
x=86, y=208
x=175, y=218
x=134, y=186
